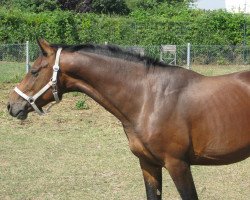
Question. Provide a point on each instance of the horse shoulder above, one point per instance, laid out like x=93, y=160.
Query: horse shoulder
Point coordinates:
x=161, y=132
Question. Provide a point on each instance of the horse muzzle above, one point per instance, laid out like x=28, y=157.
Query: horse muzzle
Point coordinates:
x=18, y=110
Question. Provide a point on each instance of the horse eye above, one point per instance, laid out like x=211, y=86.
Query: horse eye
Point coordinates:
x=34, y=73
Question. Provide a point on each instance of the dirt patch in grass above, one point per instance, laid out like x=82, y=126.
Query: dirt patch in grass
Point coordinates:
x=84, y=154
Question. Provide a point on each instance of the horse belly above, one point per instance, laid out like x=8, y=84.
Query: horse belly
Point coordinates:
x=217, y=152
x=221, y=131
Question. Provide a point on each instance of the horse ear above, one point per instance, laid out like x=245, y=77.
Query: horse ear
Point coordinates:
x=45, y=47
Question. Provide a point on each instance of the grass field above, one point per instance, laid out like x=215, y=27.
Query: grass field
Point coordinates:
x=84, y=154
x=11, y=71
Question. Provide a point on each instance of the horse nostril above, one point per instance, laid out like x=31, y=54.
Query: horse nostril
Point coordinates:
x=8, y=107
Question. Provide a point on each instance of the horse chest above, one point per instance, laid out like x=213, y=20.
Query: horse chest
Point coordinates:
x=139, y=149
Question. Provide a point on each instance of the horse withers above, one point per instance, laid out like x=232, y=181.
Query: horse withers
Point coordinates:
x=173, y=117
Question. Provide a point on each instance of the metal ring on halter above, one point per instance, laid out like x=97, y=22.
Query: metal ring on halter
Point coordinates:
x=31, y=100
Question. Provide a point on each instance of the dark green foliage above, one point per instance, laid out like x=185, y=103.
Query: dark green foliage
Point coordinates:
x=110, y=7
x=146, y=4
x=80, y=6
x=150, y=4
x=33, y=6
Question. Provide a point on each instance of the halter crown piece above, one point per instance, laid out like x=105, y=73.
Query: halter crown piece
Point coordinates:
x=52, y=83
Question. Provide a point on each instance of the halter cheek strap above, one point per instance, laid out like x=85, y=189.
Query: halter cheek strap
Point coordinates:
x=52, y=83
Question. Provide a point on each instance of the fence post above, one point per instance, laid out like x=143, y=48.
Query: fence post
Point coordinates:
x=188, y=56
x=27, y=57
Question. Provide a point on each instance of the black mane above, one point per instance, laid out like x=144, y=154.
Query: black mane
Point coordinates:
x=113, y=51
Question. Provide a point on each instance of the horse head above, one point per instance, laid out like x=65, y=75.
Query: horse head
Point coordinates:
x=40, y=86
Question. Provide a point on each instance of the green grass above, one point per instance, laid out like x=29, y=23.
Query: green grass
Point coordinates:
x=11, y=72
x=74, y=155
x=209, y=70
x=84, y=154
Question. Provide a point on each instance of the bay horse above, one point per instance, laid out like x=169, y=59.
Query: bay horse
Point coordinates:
x=173, y=117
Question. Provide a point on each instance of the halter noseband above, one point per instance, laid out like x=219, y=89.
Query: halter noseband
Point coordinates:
x=52, y=83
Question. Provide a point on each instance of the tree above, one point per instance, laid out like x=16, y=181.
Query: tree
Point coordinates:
x=149, y=4
x=110, y=7
x=33, y=6
x=97, y=6
x=81, y=6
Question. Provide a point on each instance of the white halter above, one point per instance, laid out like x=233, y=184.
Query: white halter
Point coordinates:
x=52, y=83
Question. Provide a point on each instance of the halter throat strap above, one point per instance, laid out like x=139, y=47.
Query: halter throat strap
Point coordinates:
x=52, y=83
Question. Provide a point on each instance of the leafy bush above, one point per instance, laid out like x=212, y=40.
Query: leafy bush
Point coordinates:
x=162, y=24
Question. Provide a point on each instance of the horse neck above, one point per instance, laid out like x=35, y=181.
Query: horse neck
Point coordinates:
x=122, y=87
x=114, y=83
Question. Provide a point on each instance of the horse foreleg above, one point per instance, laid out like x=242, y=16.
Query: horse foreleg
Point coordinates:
x=153, y=180
x=182, y=177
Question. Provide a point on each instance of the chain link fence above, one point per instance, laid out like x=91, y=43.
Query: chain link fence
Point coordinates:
x=220, y=55
x=14, y=58
x=12, y=52
x=12, y=62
